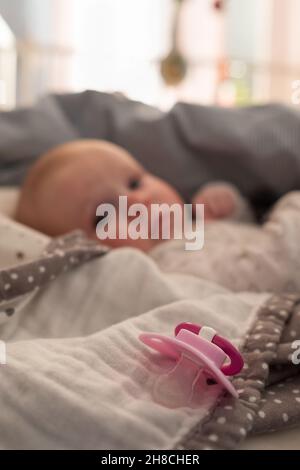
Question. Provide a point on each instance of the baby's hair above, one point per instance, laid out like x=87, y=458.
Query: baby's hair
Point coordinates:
x=43, y=169
x=48, y=166
x=55, y=159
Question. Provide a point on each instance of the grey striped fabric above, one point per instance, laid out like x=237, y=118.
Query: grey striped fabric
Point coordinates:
x=255, y=148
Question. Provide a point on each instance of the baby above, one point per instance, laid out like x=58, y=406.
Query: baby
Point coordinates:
x=65, y=186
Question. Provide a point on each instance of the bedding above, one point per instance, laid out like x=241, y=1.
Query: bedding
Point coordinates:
x=243, y=257
x=268, y=386
x=8, y=200
x=74, y=361
x=76, y=374
x=18, y=244
x=287, y=439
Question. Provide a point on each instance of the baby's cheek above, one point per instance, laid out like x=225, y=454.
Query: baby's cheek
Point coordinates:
x=143, y=245
x=140, y=244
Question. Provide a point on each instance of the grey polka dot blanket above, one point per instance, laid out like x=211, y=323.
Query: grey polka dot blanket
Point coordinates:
x=77, y=377
x=268, y=386
x=26, y=277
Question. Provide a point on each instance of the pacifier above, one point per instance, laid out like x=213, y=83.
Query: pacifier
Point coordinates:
x=201, y=356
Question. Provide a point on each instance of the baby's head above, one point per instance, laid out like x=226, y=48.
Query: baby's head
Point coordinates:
x=67, y=184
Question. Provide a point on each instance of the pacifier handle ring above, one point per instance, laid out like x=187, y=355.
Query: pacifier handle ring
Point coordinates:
x=236, y=361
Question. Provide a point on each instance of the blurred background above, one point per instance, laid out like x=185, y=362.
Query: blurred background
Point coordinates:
x=228, y=52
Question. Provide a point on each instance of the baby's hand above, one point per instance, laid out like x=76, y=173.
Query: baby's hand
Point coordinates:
x=220, y=201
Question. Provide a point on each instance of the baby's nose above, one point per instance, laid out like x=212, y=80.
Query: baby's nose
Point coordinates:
x=139, y=198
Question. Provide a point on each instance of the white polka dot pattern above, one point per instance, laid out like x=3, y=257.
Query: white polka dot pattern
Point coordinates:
x=261, y=408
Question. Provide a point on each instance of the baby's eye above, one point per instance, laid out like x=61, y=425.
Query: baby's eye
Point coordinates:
x=134, y=183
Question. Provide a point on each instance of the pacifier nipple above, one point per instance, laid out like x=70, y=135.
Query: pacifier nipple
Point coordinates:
x=176, y=388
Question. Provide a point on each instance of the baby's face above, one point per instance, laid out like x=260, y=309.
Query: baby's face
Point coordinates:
x=96, y=174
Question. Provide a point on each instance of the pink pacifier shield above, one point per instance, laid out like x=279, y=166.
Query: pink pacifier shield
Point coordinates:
x=198, y=350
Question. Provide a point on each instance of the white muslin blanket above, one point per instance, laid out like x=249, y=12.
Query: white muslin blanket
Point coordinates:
x=77, y=376
x=244, y=257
